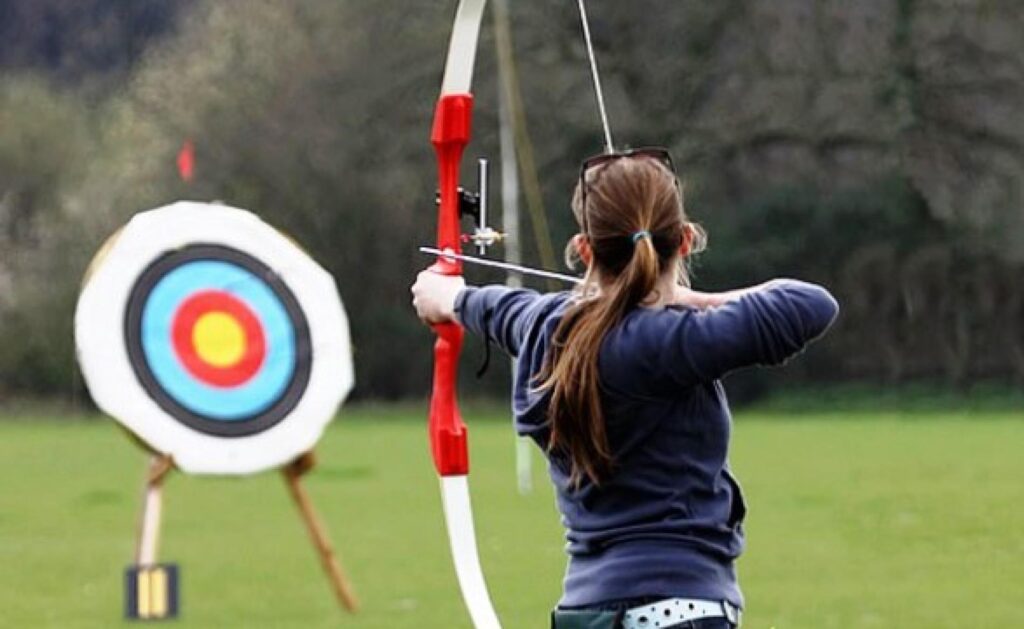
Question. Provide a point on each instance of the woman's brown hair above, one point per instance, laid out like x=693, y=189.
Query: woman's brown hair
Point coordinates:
x=630, y=211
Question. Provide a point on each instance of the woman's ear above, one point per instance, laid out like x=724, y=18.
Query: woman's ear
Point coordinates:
x=583, y=248
x=687, y=244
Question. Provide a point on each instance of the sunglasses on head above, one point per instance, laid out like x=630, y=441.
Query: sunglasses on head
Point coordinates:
x=657, y=153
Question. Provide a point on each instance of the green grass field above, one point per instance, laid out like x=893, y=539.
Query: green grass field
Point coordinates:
x=855, y=521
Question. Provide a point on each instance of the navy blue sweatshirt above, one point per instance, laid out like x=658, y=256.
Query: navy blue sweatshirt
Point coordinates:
x=668, y=521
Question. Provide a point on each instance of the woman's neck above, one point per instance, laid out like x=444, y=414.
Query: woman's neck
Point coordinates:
x=664, y=292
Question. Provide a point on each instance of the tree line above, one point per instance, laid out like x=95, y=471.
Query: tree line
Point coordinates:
x=873, y=147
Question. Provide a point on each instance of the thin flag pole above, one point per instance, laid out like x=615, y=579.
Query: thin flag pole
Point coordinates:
x=510, y=199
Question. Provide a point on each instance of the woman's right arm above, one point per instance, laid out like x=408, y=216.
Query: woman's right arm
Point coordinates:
x=762, y=325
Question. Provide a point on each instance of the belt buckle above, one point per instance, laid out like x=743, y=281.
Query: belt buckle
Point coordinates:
x=732, y=613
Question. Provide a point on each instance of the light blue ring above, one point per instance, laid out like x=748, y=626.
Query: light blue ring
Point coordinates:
x=218, y=403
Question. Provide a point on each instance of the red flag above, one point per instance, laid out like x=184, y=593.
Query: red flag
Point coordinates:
x=186, y=161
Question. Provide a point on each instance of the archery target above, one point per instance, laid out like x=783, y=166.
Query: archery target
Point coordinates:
x=214, y=338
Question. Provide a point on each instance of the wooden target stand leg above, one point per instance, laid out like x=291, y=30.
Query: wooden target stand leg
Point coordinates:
x=293, y=473
x=151, y=589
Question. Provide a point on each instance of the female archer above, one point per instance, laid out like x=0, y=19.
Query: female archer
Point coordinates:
x=618, y=382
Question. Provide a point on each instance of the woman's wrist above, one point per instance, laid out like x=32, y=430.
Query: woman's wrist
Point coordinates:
x=460, y=300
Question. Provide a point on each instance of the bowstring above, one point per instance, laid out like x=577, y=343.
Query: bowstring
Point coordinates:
x=609, y=146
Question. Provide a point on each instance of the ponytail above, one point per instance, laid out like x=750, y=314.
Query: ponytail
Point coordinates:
x=578, y=428
x=631, y=213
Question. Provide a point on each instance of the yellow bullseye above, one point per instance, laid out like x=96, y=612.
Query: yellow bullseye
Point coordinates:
x=219, y=339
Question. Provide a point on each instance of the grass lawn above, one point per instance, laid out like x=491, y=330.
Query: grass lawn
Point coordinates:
x=855, y=521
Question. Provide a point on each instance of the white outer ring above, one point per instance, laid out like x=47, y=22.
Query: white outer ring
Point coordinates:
x=103, y=355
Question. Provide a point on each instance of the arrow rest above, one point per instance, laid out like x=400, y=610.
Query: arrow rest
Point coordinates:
x=474, y=205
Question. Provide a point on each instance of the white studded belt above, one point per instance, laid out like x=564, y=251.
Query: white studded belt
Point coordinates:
x=672, y=611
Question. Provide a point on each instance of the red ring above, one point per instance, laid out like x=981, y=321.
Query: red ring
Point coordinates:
x=184, y=320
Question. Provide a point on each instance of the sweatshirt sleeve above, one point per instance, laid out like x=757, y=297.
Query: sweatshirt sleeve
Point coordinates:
x=763, y=327
x=497, y=313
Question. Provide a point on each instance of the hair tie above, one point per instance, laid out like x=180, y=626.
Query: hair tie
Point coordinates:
x=640, y=235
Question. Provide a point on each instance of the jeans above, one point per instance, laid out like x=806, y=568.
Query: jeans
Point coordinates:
x=609, y=616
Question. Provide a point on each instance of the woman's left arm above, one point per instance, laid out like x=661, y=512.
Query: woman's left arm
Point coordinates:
x=492, y=312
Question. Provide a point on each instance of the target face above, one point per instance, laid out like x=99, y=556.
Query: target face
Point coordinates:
x=230, y=354
x=217, y=340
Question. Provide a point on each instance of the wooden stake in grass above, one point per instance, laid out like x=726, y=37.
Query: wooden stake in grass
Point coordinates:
x=293, y=473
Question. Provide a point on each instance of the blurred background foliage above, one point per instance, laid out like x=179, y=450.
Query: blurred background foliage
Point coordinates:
x=874, y=146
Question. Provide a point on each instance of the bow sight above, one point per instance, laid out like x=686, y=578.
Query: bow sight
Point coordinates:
x=474, y=205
